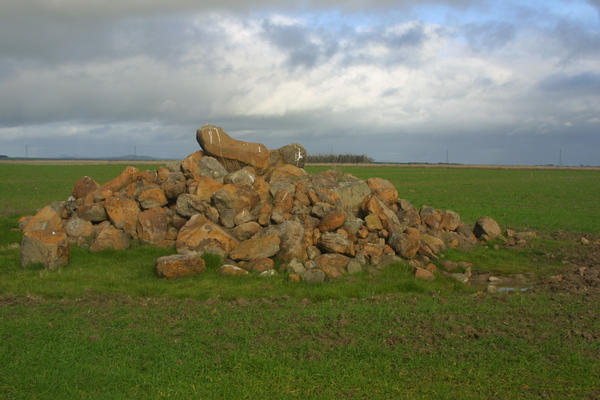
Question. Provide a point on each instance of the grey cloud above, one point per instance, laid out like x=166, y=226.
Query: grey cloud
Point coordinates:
x=296, y=42
x=587, y=83
x=489, y=36
x=413, y=37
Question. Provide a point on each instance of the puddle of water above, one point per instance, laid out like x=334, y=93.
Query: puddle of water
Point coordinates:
x=512, y=289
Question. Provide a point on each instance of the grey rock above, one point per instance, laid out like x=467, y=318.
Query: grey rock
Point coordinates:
x=212, y=168
x=352, y=193
x=313, y=275
x=354, y=266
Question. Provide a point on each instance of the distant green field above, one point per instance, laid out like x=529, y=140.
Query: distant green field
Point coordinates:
x=105, y=326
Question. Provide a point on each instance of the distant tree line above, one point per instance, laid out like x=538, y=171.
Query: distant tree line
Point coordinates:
x=339, y=158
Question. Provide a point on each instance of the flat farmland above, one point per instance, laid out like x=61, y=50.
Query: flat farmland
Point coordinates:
x=106, y=327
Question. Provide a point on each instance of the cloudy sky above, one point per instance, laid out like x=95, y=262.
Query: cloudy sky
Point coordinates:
x=501, y=82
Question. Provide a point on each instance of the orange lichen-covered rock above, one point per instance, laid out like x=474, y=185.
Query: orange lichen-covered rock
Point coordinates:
x=260, y=265
x=333, y=265
x=123, y=213
x=179, y=265
x=233, y=154
x=110, y=238
x=258, y=247
x=46, y=247
x=333, y=220
x=286, y=171
x=128, y=176
x=189, y=165
x=206, y=187
x=153, y=225
x=152, y=197
x=47, y=219
x=372, y=204
x=383, y=189
x=201, y=235
x=84, y=186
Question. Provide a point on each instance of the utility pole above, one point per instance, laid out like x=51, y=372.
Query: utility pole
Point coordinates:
x=560, y=157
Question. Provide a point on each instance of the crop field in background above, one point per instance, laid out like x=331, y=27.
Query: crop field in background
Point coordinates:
x=105, y=327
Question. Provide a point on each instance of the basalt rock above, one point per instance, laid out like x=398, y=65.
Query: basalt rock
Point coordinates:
x=293, y=154
x=487, y=229
x=179, y=266
x=49, y=248
x=233, y=154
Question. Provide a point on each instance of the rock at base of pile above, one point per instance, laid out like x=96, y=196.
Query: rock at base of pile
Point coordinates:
x=48, y=248
x=229, y=269
x=179, y=266
x=487, y=229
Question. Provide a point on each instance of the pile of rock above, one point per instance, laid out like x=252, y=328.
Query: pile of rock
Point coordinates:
x=250, y=205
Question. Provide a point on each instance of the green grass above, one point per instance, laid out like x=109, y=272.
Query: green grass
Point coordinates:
x=545, y=200
x=400, y=346
x=105, y=327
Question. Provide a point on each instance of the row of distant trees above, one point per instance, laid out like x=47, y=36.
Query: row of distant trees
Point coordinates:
x=339, y=158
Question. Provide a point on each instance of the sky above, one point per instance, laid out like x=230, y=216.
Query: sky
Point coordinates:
x=486, y=82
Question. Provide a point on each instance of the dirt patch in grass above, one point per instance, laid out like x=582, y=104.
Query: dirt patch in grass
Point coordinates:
x=582, y=264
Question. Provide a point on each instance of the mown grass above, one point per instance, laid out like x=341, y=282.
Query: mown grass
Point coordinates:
x=105, y=327
x=399, y=346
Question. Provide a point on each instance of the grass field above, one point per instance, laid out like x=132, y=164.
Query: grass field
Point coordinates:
x=106, y=327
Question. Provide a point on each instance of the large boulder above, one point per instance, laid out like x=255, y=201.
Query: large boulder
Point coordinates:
x=201, y=235
x=93, y=212
x=487, y=229
x=49, y=248
x=110, y=238
x=128, y=176
x=292, y=245
x=332, y=220
x=231, y=200
x=189, y=165
x=373, y=205
x=172, y=183
x=331, y=242
x=45, y=219
x=79, y=230
x=84, y=186
x=123, y=213
x=179, y=265
x=352, y=193
x=234, y=154
x=383, y=189
x=243, y=176
x=294, y=154
x=152, y=196
x=152, y=226
x=211, y=168
x=405, y=243
x=258, y=247
x=450, y=221
x=333, y=265
x=206, y=187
